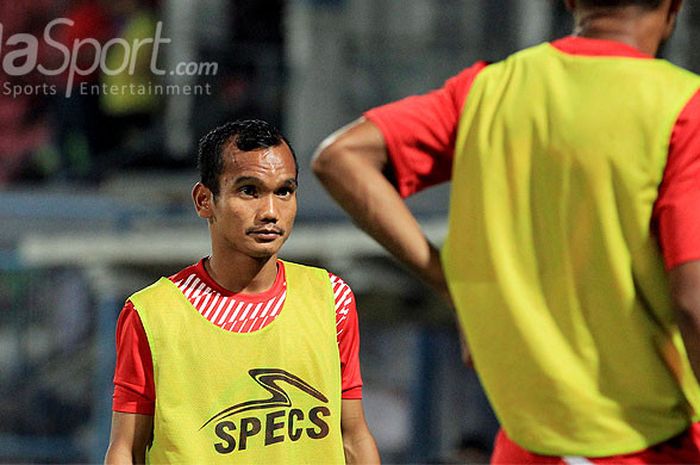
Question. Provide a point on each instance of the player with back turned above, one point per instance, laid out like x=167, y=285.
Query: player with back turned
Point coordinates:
x=573, y=249
x=241, y=358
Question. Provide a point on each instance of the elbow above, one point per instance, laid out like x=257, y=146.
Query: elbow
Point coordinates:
x=324, y=160
x=118, y=455
x=320, y=160
x=349, y=152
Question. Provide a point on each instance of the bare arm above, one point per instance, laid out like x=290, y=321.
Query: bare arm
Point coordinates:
x=131, y=435
x=358, y=442
x=351, y=164
x=685, y=290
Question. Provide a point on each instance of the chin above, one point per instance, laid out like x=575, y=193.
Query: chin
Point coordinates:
x=263, y=253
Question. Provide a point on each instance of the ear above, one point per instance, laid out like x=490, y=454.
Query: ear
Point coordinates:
x=672, y=17
x=203, y=199
x=676, y=6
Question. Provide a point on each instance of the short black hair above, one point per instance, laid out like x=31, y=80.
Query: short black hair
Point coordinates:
x=650, y=4
x=246, y=135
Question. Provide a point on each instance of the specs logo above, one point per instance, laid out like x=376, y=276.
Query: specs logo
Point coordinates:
x=284, y=423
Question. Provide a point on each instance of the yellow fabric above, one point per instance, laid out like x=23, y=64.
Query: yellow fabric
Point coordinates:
x=267, y=397
x=135, y=69
x=549, y=256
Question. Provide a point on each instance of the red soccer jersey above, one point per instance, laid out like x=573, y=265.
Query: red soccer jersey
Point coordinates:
x=134, y=390
x=420, y=134
x=683, y=448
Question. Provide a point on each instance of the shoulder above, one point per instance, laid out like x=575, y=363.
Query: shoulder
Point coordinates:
x=161, y=294
x=458, y=86
x=467, y=75
x=177, y=279
x=311, y=277
x=691, y=111
x=154, y=288
x=188, y=272
x=341, y=289
x=128, y=324
x=343, y=294
x=298, y=268
x=537, y=55
x=679, y=72
x=336, y=280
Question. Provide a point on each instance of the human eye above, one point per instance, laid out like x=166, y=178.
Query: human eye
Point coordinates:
x=286, y=191
x=248, y=190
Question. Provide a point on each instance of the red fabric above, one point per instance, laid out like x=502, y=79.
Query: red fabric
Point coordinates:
x=134, y=390
x=584, y=46
x=677, y=209
x=420, y=134
x=681, y=449
x=90, y=21
x=218, y=304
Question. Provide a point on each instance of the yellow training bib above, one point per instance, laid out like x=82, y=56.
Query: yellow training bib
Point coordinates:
x=550, y=260
x=267, y=397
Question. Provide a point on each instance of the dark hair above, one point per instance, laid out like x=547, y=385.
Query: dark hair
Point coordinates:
x=245, y=135
x=650, y=4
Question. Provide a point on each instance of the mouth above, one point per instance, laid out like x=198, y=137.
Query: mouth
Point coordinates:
x=266, y=234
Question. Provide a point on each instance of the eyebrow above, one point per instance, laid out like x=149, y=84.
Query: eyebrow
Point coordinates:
x=253, y=180
x=247, y=179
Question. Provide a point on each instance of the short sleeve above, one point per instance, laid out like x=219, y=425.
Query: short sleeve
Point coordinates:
x=134, y=389
x=420, y=132
x=348, y=334
x=677, y=210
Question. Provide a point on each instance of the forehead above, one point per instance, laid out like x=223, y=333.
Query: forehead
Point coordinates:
x=269, y=161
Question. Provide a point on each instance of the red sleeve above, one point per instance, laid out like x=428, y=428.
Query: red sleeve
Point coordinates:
x=134, y=391
x=677, y=209
x=420, y=132
x=348, y=333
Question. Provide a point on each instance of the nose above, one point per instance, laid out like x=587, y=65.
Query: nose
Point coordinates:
x=268, y=212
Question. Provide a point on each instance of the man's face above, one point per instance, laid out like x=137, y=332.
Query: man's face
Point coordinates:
x=256, y=206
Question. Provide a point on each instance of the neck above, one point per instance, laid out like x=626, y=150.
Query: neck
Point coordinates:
x=632, y=25
x=242, y=274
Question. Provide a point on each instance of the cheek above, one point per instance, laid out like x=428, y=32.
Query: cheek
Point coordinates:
x=291, y=212
x=234, y=214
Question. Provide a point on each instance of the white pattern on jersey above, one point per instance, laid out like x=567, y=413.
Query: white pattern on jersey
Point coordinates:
x=240, y=316
x=572, y=460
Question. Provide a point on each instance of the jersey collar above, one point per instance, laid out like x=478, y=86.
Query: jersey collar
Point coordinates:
x=276, y=289
x=575, y=45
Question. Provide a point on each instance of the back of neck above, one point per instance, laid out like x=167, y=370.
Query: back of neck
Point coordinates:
x=633, y=26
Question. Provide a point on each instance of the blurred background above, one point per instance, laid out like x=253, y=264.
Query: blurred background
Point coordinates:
x=95, y=188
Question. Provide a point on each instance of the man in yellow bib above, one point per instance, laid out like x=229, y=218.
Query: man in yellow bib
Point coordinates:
x=241, y=358
x=573, y=165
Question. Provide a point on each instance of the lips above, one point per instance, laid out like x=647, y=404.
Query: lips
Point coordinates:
x=266, y=234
